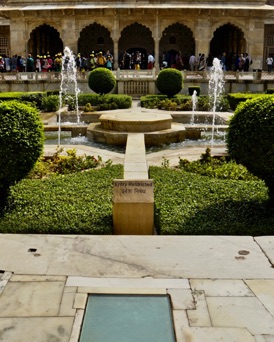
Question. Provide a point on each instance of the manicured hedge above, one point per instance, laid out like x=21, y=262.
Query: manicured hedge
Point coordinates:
x=122, y=101
x=235, y=99
x=190, y=204
x=101, y=80
x=169, y=81
x=79, y=203
x=21, y=143
x=251, y=138
x=185, y=204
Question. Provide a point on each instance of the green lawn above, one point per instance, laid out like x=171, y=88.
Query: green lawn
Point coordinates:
x=185, y=203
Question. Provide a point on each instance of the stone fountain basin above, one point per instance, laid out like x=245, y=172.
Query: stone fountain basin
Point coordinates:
x=143, y=122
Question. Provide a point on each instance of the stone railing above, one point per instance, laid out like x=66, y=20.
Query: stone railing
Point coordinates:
x=137, y=83
x=136, y=74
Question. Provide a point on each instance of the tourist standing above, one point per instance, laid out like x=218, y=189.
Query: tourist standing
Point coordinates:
x=137, y=60
x=2, y=64
x=30, y=63
x=269, y=63
x=202, y=63
x=101, y=61
x=192, y=62
x=7, y=64
x=209, y=62
x=241, y=62
x=150, y=61
x=14, y=63
x=224, y=61
x=38, y=64
x=109, y=62
x=92, y=62
x=179, y=61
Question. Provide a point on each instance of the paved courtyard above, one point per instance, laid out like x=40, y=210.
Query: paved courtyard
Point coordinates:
x=221, y=288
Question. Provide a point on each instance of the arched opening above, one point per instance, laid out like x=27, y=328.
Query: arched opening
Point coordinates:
x=175, y=38
x=45, y=40
x=136, y=37
x=95, y=37
x=228, y=38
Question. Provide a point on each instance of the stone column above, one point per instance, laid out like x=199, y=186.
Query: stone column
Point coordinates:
x=203, y=36
x=115, y=53
x=156, y=49
x=115, y=35
x=156, y=44
x=18, y=37
x=255, y=43
x=69, y=33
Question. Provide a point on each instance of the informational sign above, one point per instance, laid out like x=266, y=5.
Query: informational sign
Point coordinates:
x=133, y=191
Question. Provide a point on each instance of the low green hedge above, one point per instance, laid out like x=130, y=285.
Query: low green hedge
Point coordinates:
x=122, y=101
x=185, y=204
x=190, y=204
x=79, y=203
x=235, y=99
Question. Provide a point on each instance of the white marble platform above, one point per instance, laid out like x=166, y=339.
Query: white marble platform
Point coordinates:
x=221, y=288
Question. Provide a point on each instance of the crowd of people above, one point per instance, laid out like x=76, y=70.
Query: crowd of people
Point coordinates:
x=49, y=63
x=134, y=61
x=230, y=62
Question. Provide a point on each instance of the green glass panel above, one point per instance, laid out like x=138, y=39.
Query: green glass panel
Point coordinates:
x=127, y=318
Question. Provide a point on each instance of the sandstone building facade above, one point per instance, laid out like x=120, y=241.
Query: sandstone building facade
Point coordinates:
x=191, y=27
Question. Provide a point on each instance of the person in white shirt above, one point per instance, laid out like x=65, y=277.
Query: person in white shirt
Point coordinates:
x=150, y=61
x=192, y=62
x=269, y=62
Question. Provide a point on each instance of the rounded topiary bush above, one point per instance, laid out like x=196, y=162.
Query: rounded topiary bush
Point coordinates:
x=170, y=81
x=251, y=138
x=101, y=80
x=21, y=143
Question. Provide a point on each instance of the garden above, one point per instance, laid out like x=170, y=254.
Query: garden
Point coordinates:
x=73, y=194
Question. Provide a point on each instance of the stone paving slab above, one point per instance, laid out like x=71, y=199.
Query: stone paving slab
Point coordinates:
x=36, y=329
x=138, y=256
x=222, y=287
x=31, y=299
x=245, y=312
x=217, y=335
x=267, y=245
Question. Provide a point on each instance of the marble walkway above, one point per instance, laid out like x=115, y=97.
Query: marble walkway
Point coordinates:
x=221, y=288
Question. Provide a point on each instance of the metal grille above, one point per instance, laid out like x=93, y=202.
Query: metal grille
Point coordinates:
x=136, y=88
x=4, y=46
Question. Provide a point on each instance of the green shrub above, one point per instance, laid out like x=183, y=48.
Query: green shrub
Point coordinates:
x=168, y=104
x=191, y=204
x=251, y=138
x=65, y=164
x=88, y=108
x=222, y=168
x=36, y=98
x=78, y=203
x=192, y=88
x=235, y=99
x=93, y=99
x=121, y=101
x=21, y=143
x=169, y=81
x=101, y=80
x=50, y=103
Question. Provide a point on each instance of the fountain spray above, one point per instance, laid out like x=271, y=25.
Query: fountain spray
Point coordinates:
x=215, y=89
x=68, y=85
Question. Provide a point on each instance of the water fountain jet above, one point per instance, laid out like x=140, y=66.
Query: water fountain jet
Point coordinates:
x=68, y=85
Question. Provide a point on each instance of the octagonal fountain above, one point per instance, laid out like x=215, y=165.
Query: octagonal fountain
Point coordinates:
x=158, y=129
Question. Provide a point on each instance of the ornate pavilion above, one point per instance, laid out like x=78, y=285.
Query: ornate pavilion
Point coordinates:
x=191, y=27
